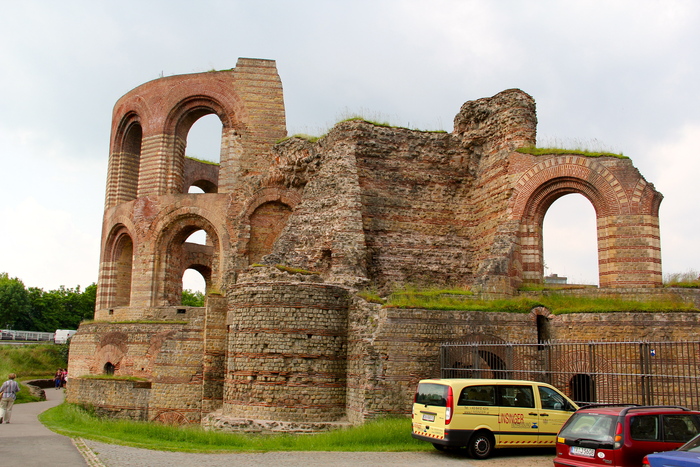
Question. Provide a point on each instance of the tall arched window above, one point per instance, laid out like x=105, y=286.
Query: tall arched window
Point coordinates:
x=204, y=139
x=123, y=261
x=570, y=242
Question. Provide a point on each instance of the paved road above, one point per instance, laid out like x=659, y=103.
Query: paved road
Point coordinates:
x=120, y=456
x=27, y=442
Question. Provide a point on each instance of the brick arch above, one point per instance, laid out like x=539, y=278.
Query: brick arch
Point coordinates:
x=581, y=174
x=175, y=255
x=186, y=112
x=115, y=281
x=125, y=160
x=247, y=99
x=578, y=362
x=539, y=187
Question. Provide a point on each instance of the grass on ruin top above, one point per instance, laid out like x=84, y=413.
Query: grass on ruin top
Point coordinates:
x=204, y=161
x=689, y=279
x=555, y=151
x=556, y=303
x=387, y=435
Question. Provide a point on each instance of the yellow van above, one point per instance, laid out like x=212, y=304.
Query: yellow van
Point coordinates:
x=484, y=414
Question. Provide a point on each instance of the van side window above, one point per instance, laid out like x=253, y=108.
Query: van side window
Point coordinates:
x=553, y=400
x=477, y=395
x=517, y=396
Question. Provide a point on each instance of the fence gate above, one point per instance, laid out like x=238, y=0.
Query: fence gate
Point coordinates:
x=649, y=373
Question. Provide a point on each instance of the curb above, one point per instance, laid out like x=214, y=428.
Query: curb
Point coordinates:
x=90, y=457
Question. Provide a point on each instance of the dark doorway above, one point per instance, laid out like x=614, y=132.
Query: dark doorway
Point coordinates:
x=582, y=388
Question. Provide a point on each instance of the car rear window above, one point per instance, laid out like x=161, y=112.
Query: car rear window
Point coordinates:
x=432, y=394
x=590, y=426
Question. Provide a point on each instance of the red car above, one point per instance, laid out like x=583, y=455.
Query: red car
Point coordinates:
x=621, y=435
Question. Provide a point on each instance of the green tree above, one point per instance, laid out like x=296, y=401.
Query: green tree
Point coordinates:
x=14, y=301
x=192, y=298
x=34, y=309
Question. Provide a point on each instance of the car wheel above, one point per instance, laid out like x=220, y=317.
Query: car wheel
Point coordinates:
x=481, y=445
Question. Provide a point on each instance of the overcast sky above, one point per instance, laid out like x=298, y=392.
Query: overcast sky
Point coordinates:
x=618, y=75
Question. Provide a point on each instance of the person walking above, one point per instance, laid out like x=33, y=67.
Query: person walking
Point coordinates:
x=58, y=378
x=8, y=392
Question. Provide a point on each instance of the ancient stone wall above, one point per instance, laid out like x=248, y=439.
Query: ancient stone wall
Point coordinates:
x=296, y=228
x=287, y=352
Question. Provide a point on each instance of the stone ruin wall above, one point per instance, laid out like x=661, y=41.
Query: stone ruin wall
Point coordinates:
x=366, y=206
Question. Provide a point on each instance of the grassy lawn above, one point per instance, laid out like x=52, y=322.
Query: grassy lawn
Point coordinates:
x=388, y=434
x=34, y=361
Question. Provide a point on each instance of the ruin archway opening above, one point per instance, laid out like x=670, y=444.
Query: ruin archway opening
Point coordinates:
x=539, y=201
x=124, y=258
x=195, y=189
x=194, y=281
x=109, y=368
x=569, y=242
x=199, y=237
x=179, y=254
x=204, y=137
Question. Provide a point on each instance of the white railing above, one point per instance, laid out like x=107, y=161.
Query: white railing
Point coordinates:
x=12, y=335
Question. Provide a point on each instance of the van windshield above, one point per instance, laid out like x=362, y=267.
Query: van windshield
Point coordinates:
x=590, y=426
x=432, y=394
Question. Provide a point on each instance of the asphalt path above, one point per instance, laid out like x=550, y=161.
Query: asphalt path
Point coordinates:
x=27, y=442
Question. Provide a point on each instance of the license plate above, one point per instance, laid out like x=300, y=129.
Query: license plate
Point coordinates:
x=428, y=417
x=579, y=451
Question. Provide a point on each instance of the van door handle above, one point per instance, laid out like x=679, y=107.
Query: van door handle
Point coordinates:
x=533, y=414
x=544, y=415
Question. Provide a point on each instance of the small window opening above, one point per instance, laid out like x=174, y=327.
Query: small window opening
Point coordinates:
x=542, y=331
x=109, y=368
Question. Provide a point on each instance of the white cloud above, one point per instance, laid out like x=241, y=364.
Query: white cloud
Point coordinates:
x=622, y=72
x=46, y=248
x=676, y=163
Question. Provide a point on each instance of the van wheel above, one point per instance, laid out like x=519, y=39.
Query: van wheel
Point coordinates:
x=481, y=445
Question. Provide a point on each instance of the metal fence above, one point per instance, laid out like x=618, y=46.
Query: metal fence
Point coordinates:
x=647, y=373
x=10, y=335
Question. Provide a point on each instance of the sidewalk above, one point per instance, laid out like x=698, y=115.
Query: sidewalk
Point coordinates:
x=25, y=441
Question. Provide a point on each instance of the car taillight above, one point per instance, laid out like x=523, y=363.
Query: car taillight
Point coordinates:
x=618, y=436
x=449, y=409
x=645, y=461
